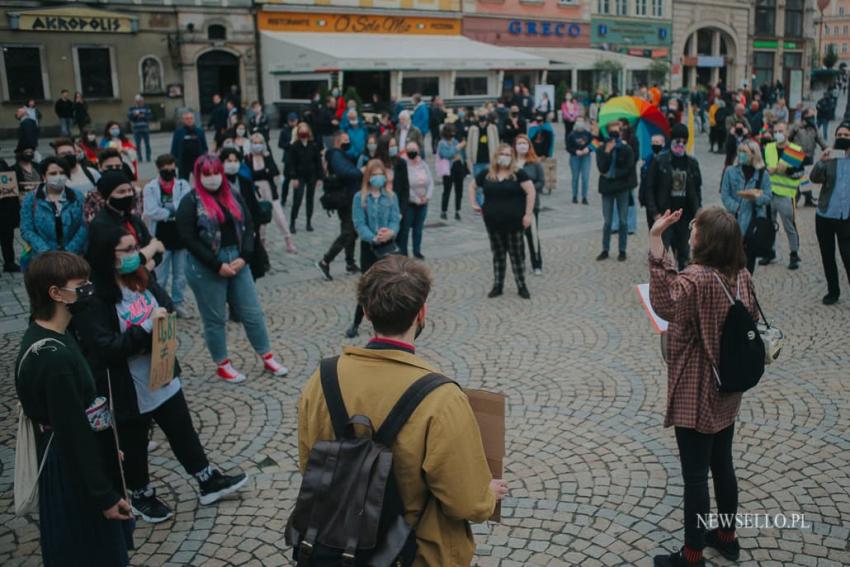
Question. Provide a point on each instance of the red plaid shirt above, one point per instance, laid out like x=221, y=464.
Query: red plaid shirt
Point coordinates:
x=694, y=304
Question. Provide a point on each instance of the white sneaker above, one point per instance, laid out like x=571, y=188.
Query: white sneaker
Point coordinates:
x=227, y=373
x=538, y=272
x=273, y=366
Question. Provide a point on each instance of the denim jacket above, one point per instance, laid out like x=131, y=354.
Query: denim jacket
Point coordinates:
x=734, y=181
x=38, y=222
x=155, y=211
x=376, y=213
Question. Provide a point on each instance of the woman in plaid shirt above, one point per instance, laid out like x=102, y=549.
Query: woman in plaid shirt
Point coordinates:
x=695, y=304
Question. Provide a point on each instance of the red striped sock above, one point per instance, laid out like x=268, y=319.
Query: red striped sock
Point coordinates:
x=692, y=555
x=726, y=536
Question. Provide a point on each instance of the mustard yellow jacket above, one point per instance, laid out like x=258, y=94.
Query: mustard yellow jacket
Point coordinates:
x=438, y=457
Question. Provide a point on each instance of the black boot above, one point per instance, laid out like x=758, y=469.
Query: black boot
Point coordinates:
x=495, y=292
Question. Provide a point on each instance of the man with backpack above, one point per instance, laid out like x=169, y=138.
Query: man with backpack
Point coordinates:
x=439, y=480
x=342, y=184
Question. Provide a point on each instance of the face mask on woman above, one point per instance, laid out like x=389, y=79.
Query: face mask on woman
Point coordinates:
x=504, y=161
x=378, y=181
x=56, y=183
x=412, y=155
x=123, y=204
x=522, y=149
x=129, y=264
x=743, y=158
x=91, y=138
x=393, y=151
x=304, y=135
x=258, y=148
x=231, y=167
x=240, y=132
x=372, y=148
x=115, y=132
x=211, y=182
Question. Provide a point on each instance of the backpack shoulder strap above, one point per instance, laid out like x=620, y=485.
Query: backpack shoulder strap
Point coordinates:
x=406, y=405
x=333, y=395
x=723, y=285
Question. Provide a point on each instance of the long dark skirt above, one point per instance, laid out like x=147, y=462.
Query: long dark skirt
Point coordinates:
x=73, y=532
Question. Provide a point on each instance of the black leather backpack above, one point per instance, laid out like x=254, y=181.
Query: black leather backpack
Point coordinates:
x=348, y=510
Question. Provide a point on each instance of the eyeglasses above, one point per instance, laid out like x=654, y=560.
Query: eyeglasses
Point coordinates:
x=128, y=249
x=85, y=289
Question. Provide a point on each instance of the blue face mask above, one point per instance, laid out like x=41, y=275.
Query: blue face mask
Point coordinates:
x=378, y=181
x=129, y=264
x=744, y=158
x=115, y=132
x=393, y=151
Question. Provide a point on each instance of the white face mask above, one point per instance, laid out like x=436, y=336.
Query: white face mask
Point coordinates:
x=504, y=161
x=211, y=182
x=779, y=137
x=57, y=182
x=231, y=167
x=522, y=149
x=240, y=132
x=258, y=148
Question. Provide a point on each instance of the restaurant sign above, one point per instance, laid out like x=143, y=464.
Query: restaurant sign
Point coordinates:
x=357, y=23
x=76, y=20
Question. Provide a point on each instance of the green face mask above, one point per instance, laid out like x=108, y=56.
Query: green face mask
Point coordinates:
x=129, y=264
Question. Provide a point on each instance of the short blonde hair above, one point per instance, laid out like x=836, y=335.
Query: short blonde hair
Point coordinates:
x=753, y=148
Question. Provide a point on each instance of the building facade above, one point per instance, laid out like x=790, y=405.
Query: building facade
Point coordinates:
x=710, y=42
x=642, y=28
x=833, y=30
x=174, y=55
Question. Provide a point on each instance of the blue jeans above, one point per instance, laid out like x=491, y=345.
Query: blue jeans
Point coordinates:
x=173, y=264
x=622, y=201
x=580, y=169
x=65, y=125
x=414, y=218
x=824, y=125
x=143, y=136
x=632, y=225
x=213, y=293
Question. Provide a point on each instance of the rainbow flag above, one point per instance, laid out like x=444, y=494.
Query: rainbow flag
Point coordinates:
x=595, y=144
x=793, y=158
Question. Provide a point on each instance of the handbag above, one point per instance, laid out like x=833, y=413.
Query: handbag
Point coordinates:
x=384, y=249
x=264, y=209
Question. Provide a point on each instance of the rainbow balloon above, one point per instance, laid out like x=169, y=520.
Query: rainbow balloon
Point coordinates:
x=644, y=118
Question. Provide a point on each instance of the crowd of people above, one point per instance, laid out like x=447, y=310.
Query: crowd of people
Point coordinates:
x=106, y=256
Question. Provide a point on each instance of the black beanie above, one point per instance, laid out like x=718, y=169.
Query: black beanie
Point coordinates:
x=844, y=124
x=679, y=131
x=109, y=180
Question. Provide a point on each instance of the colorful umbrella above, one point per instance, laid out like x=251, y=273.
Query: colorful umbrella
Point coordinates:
x=645, y=119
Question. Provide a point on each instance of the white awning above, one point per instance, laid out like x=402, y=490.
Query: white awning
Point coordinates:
x=585, y=59
x=298, y=52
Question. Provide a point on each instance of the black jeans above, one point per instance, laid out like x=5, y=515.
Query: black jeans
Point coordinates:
x=828, y=232
x=367, y=260
x=298, y=197
x=7, y=242
x=698, y=453
x=532, y=236
x=346, y=239
x=175, y=421
x=284, y=190
x=453, y=181
x=676, y=238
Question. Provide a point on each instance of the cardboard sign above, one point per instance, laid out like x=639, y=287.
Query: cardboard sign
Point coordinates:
x=164, y=351
x=489, y=409
x=659, y=324
x=8, y=184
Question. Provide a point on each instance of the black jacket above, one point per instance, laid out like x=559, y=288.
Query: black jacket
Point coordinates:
x=304, y=161
x=659, y=185
x=106, y=220
x=195, y=235
x=27, y=134
x=107, y=348
x=624, y=177
x=401, y=184
x=64, y=108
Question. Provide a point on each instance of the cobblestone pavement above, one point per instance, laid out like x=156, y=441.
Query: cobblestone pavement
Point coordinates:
x=595, y=479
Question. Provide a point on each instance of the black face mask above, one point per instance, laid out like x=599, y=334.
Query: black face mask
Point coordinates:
x=345, y=146
x=26, y=158
x=70, y=161
x=78, y=306
x=614, y=135
x=657, y=148
x=412, y=155
x=167, y=174
x=842, y=144
x=123, y=204
x=739, y=132
x=419, y=328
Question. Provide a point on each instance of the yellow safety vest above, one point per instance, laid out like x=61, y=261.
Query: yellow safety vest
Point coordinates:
x=780, y=184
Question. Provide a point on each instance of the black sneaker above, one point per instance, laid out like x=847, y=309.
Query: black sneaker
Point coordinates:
x=523, y=293
x=675, y=560
x=575, y=200
x=602, y=256
x=419, y=257
x=621, y=257
x=292, y=228
x=219, y=485
x=325, y=269
x=309, y=227
x=457, y=215
x=767, y=260
x=584, y=202
x=495, y=292
x=150, y=508
x=12, y=268
x=731, y=550
x=794, y=262
x=352, y=268
x=830, y=299
x=444, y=215
x=352, y=332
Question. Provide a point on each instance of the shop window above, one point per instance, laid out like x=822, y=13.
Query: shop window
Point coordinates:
x=794, y=18
x=603, y=6
x=766, y=17
x=95, y=72
x=300, y=89
x=792, y=60
x=658, y=8
x=622, y=7
x=640, y=7
x=763, y=68
x=426, y=86
x=216, y=32
x=469, y=86
x=24, y=79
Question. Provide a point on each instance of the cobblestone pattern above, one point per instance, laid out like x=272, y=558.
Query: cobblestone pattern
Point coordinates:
x=595, y=479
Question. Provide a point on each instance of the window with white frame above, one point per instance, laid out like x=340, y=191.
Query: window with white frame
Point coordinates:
x=470, y=85
x=300, y=88
x=622, y=7
x=603, y=6
x=424, y=85
x=658, y=8
x=23, y=71
x=96, y=73
x=640, y=7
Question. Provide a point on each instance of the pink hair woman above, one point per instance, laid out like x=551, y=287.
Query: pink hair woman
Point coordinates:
x=216, y=228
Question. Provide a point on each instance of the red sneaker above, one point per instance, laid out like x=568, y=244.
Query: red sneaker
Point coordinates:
x=273, y=366
x=227, y=373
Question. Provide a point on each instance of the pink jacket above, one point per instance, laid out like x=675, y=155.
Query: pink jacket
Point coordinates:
x=570, y=110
